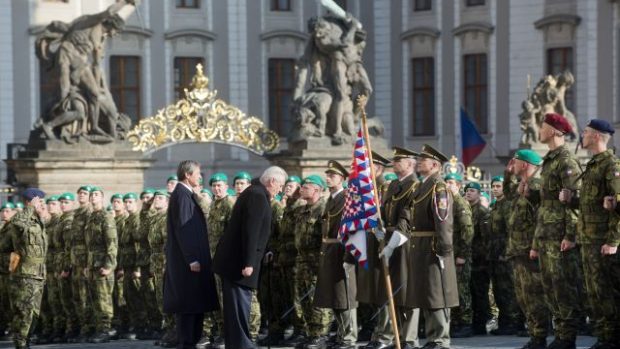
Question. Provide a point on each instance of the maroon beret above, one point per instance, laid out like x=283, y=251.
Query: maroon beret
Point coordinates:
x=558, y=122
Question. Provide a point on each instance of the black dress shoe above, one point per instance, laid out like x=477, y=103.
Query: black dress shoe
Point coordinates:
x=561, y=344
x=375, y=345
x=316, y=343
x=433, y=345
x=218, y=343
x=536, y=343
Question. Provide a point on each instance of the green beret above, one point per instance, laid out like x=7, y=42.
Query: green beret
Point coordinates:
x=162, y=192
x=242, y=175
x=473, y=185
x=497, y=179
x=8, y=205
x=218, y=177
x=295, y=179
x=146, y=192
x=315, y=179
x=67, y=196
x=278, y=197
x=390, y=176
x=51, y=198
x=88, y=188
x=19, y=205
x=116, y=196
x=529, y=156
x=454, y=176
x=231, y=192
x=130, y=196
x=486, y=195
x=109, y=208
x=94, y=189
x=172, y=178
x=205, y=190
x=201, y=181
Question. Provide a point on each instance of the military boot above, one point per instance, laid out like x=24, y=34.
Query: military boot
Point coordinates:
x=562, y=344
x=102, y=337
x=536, y=343
x=316, y=343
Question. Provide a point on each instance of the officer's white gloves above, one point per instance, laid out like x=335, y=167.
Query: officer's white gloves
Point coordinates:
x=380, y=234
x=397, y=240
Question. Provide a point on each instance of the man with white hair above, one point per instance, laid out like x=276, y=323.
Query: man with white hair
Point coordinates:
x=239, y=253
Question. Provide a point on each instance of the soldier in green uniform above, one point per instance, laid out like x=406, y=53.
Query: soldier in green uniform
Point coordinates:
x=431, y=283
x=336, y=286
x=26, y=242
x=219, y=213
x=556, y=229
x=127, y=270
x=171, y=183
x=7, y=211
x=241, y=181
x=102, y=246
x=19, y=206
x=308, y=236
x=205, y=199
x=63, y=264
x=463, y=233
x=121, y=316
x=599, y=234
x=79, y=261
x=500, y=268
x=525, y=197
x=480, y=279
x=157, y=233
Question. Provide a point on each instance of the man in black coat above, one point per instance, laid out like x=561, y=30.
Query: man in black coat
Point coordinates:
x=189, y=285
x=240, y=251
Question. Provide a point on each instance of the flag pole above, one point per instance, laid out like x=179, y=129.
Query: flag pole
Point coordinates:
x=361, y=103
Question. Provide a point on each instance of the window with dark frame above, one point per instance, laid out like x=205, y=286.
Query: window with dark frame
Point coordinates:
x=280, y=5
x=471, y=3
x=476, y=90
x=422, y=5
x=188, y=3
x=184, y=71
x=49, y=87
x=423, y=96
x=125, y=85
x=281, y=86
x=560, y=59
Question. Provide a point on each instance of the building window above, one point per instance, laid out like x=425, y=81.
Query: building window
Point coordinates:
x=184, y=71
x=471, y=3
x=560, y=60
x=188, y=3
x=281, y=85
x=280, y=5
x=125, y=84
x=49, y=88
x=423, y=96
x=422, y=5
x=476, y=90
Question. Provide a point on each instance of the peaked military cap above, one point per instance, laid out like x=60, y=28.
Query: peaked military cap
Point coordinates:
x=116, y=196
x=390, y=176
x=130, y=196
x=334, y=166
x=51, y=198
x=242, y=175
x=380, y=159
x=295, y=179
x=87, y=188
x=601, y=126
x=432, y=153
x=454, y=176
x=558, y=122
x=400, y=153
x=32, y=193
x=218, y=177
x=7, y=205
x=172, y=178
x=529, y=156
x=473, y=185
x=67, y=196
x=315, y=179
x=497, y=179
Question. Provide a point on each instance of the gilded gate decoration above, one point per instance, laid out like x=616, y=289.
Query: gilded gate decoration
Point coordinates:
x=201, y=118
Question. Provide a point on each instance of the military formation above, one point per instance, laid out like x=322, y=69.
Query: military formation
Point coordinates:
x=520, y=262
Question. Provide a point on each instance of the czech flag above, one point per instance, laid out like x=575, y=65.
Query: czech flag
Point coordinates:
x=472, y=141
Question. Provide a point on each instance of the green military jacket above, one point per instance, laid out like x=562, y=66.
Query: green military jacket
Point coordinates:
x=4, y=256
x=119, y=220
x=54, y=247
x=277, y=211
x=77, y=237
x=601, y=178
x=25, y=235
x=101, y=240
x=158, y=232
x=308, y=234
x=284, y=247
x=64, y=240
x=463, y=227
x=219, y=214
x=481, y=217
x=127, y=246
x=498, y=233
x=557, y=221
x=141, y=237
x=203, y=204
x=522, y=219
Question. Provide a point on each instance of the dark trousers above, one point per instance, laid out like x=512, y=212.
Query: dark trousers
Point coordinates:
x=237, y=300
x=189, y=330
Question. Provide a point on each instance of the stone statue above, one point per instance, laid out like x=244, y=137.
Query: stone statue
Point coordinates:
x=85, y=107
x=332, y=67
x=548, y=96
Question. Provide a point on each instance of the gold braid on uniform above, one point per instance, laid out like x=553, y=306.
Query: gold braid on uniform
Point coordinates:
x=435, y=203
x=398, y=198
x=330, y=216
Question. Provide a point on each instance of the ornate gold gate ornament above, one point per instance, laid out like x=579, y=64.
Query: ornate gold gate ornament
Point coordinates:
x=200, y=117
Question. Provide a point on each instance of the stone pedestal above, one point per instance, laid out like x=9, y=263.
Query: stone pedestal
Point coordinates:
x=311, y=156
x=57, y=167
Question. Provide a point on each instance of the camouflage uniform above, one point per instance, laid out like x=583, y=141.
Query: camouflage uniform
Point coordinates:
x=557, y=221
x=157, y=233
x=596, y=228
x=79, y=261
x=127, y=251
x=308, y=238
x=150, y=315
x=500, y=269
x=56, y=320
x=219, y=213
x=102, y=244
x=5, y=315
x=121, y=313
x=25, y=236
x=480, y=280
x=64, y=264
x=463, y=231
